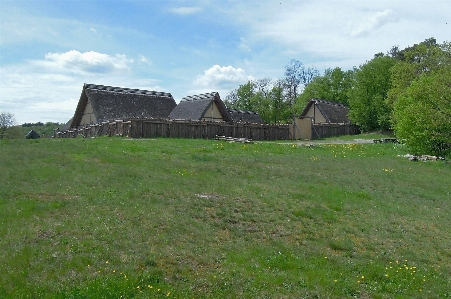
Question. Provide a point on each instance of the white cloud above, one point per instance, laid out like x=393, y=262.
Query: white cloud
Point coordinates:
x=87, y=62
x=35, y=96
x=374, y=21
x=334, y=33
x=49, y=89
x=224, y=77
x=144, y=59
x=186, y=10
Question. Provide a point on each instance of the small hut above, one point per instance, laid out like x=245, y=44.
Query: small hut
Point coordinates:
x=32, y=135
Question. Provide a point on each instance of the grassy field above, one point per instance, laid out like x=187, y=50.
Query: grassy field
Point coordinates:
x=169, y=218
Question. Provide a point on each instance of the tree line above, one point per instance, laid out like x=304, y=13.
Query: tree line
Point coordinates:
x=407, y=91
x=9, y=129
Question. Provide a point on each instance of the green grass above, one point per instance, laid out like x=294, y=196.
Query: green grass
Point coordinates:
x=172, y=218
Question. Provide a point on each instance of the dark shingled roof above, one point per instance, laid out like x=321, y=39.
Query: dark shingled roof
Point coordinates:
x=194, y=107
x=112, y=103
x=245, y=116
x=32, y=135
x=333, y=112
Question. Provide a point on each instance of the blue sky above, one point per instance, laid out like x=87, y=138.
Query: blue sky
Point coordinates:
x=48, y=49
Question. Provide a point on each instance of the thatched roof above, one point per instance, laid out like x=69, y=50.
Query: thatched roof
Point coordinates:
x=194, y=107
x=245, y=116
x=66, y=126
x=112, y=103
x=333, y=112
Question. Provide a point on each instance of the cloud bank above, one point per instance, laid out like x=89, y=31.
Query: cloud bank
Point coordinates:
x=374, y=22
x=222, y=77
x=89, y=62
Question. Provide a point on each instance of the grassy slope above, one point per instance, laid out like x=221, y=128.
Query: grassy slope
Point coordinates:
x=105, y=218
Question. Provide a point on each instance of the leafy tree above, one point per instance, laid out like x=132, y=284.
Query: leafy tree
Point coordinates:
x=262, y=96
x=296, y=78
x=242, y=97
x=279, y=107
x=367, y=96
x=262, y=100
x=414, y=61
x=423, y=113
x=334, y=86
x=6, y=120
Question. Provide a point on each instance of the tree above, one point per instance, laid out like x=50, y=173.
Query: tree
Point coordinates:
x=423, y=113
x=262, y=96
x=334, y=86
x=416, y=60
x=296, y=78
x=367, y=96
x=279, y=107
x=241, y=98
x=6, y=120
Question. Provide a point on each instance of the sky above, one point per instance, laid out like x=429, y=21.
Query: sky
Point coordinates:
x=49, y=49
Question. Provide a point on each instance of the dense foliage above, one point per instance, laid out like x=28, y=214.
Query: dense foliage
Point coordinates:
x=6, y=121
x=407, y=91
x=423, y=113
x=332, y=86
x=274, y=100
x=367, y=97
x=17, y=132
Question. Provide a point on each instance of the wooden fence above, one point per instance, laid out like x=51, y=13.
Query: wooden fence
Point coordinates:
x=303, y=128
x=320, y=131
x=152, y=128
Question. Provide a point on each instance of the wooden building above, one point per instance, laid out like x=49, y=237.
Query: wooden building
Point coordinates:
x=322, y=111
x=206, y=107
x=99, y=103
x=244, y=116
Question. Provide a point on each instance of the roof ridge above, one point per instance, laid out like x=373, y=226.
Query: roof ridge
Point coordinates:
x=200, y=97
x=108, y=88
x=328, y=102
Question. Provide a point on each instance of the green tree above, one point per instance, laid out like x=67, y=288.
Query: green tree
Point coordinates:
x=279, y=107
x=262, y=96
x=334, y=86
x=367, y=96
x=414, y=61
x=6, y=120
x=423, y=113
